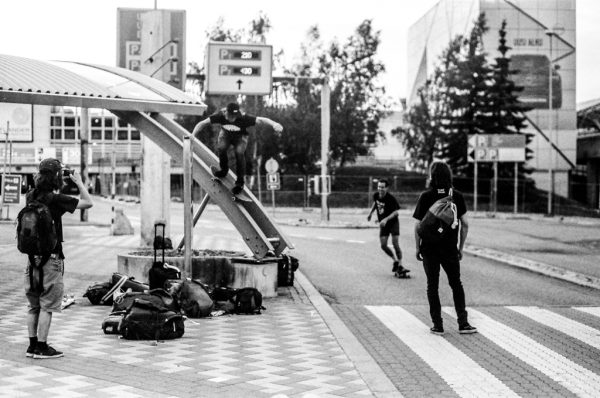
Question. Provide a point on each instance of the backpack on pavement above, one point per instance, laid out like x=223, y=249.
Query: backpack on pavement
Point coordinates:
x=144, y=320
x=286, y=266
x=248, y=300
x=194, y=299
x=440, y=219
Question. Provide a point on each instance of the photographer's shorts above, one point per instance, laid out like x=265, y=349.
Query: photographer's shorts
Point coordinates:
x=49, y=299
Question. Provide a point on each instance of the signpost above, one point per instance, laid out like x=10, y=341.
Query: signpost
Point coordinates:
x=496, y=148
x=273, y=180
x=235, y=68
x=11, y=186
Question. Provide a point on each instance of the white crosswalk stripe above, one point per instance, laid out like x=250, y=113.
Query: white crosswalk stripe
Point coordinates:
x=567, y=373
x=589, y=310
x=563, y=324
x=464, y=375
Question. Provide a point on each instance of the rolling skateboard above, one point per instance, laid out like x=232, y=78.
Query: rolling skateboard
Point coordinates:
x=241, y=197
x=402, y=274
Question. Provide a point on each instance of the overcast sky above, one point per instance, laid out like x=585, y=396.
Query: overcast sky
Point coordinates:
x=85, y=30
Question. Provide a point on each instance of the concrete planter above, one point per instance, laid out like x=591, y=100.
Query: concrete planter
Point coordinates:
x=231, y=271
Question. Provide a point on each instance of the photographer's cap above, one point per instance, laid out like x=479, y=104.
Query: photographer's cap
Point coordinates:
x=50, y=164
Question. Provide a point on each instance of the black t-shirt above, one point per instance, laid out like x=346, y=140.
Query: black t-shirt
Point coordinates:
x=426, y=199
x=58, y=204
x=386, y=205
x=239, y=125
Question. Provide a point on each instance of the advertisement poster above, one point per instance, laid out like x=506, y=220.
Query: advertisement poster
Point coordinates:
x=20, y=122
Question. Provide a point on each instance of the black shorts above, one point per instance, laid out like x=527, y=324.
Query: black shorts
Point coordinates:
x=392, y=227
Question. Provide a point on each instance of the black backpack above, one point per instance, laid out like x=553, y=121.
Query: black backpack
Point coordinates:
x=439, y=221
x=144, y=320
x=248, y=300
x=36, y=235
x=36, y=232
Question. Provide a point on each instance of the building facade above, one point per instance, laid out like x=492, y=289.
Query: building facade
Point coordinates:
x=541, y=34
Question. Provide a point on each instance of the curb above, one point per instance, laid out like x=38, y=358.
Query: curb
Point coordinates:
x=534, y=266
x=367, y=367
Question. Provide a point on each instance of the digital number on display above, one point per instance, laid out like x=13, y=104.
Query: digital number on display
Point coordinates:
x=231, y=70
x=240, y=54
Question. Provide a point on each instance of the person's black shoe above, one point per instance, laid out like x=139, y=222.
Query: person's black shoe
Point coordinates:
x=218, y=172
x=467, y=329
x=237, y=189
x=46, y=353
x=437, y=330
x=395, y=266
x=29, y=352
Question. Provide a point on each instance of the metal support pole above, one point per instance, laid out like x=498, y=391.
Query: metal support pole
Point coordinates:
x=5, y=161
x=516, y=193
x=475, y=183
x=550, y=131
x=495, y=187
x=201, y=208
x=187, y=205
x=84, y=141
x=325, y=126
x=113, y=166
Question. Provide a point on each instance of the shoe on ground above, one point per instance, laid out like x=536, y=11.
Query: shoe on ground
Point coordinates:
x=237, y=189
x=437, y=330
x=467, y=329
x=395, y=266
x=46, y=353
x=29, y=352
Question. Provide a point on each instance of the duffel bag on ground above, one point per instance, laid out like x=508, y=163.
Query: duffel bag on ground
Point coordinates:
x=129, y=283
x=95, y=292
x=110, y=324
x=248, y=300
x=159, y=297
x=194, y=299
x=146, y=321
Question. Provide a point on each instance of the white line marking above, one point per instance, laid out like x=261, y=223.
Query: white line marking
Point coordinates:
x=589, y=310
x=324, y=238
x=356, y=241
x=565, y=325
x=462, y=374
x=567, y=373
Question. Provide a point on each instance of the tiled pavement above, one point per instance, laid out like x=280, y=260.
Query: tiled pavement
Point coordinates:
x=297, y=348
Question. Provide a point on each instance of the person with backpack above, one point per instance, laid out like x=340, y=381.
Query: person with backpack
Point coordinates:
x=40, y=236
x=387, y=214
x=440, y=233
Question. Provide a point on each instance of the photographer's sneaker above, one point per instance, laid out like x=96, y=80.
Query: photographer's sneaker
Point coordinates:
x=437, y=330
x=46, y=353
x=29, y=352
x=467, y=329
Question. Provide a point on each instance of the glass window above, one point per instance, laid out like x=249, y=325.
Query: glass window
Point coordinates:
x=69, y=121
x=96, y=135
x=96, y=122
x=55, y=134
x=56, y=121
x=121, y=123
x=108, y=135
x=122, y=135
x=135, y=135
x=69, y=134
x=108, y=122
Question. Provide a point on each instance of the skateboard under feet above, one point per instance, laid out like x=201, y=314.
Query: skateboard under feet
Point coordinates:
x=242, y=197
x=404, y=274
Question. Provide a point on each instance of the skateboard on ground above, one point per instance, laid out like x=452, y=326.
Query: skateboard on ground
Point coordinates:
x=404, y=274
x=242, y=197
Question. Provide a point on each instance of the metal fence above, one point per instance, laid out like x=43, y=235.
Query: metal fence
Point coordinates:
x=357, y=192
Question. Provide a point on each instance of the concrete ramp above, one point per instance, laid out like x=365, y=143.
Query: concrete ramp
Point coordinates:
x=259, y=231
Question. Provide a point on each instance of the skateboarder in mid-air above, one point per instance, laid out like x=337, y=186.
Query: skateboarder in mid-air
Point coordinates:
x=234, y=133
x=387, y=213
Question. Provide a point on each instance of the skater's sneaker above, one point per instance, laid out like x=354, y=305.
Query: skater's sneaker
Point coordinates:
x=437, y=330
x=46, y=353
x=467, y=329
x=29, y=352
x=218, y=172
x=395, y=266
x=237, y=189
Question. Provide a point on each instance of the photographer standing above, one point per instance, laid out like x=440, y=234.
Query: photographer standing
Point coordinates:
x=44, y=277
